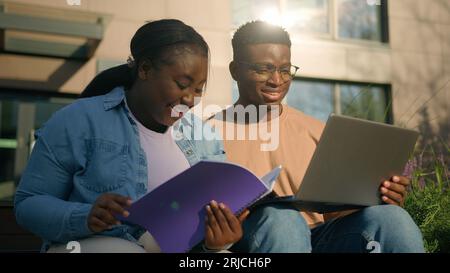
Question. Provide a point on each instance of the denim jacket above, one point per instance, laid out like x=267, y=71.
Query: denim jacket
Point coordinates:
x=88, y=148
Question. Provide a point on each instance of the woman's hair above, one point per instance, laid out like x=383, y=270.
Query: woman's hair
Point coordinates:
x=257, y=32
x=149, y=43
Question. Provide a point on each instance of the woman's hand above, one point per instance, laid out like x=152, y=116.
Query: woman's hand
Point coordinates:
x=394, y=191
x=222, y=226
x=101, y=216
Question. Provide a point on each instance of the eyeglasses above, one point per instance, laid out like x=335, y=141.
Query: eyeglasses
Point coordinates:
x=263, y=72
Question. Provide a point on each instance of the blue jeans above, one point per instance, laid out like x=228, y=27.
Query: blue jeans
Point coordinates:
x=279, y=228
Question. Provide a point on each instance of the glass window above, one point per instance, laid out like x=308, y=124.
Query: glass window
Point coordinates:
x=319, y=99
x=307, y=16
x=355, y=19
x=312, y=98
x=310, y=16
x=366, y=102
x=19, y=116
x=359, y=19
x=247, y=10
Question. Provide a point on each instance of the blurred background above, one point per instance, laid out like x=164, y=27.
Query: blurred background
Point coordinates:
x=387, y=61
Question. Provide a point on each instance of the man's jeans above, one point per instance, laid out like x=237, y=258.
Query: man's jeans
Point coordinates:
x=280, y=228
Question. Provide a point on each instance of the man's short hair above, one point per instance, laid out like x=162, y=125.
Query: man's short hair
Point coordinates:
x=257, y=32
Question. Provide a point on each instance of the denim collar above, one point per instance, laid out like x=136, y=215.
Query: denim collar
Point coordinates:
x=113, y=98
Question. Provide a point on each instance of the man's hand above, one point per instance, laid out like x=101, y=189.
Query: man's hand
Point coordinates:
x=222, y=226
x=394, y=191
x=105, y=207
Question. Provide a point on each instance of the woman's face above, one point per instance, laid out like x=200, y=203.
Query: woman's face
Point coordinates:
x=172, y=86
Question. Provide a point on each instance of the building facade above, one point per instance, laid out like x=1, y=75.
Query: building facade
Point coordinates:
x=383, y=60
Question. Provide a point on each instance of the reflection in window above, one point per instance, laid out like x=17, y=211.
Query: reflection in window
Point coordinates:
x=364, y=102
x=247, y=10
x=310, y=16
x=312, y=98
x=320, y=99
x=359, y=20
x=356, y=19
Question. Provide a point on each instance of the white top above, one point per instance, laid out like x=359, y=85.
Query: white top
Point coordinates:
x=164, y=158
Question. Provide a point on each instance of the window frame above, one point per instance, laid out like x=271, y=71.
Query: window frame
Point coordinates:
x=387, y=90
x=333, y=26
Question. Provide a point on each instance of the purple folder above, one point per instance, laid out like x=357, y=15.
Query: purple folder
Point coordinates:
x=174, y=213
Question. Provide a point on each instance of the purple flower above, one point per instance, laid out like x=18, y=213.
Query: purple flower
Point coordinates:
x=421, y=183
x=410, y=167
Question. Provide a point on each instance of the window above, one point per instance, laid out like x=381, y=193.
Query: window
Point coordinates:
x=359, y=20
x=364, y=101
x=20, y=115
x=313, y=98
x=304, y=15
x=307, y=16
x=321, y=98
x=337, y=19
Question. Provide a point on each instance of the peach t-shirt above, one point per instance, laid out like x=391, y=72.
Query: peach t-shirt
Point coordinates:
x=298, y=138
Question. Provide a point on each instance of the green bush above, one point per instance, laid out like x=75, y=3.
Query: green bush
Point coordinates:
x=428, y=200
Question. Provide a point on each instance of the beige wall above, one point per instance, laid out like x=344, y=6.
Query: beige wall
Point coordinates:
x=210, y=17
x=420, y=41
x=416, y=62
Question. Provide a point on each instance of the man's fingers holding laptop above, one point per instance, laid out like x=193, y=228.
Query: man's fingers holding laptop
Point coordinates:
x=401, y=180
x=392, y=186
x=391, y=197
x=394, y=191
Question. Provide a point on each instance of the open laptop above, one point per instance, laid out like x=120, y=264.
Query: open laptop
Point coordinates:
x=351, y=160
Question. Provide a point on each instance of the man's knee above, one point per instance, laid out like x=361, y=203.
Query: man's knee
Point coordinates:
x=387, y=216
x=281, y=217
x=395, y=227
x=275, y=228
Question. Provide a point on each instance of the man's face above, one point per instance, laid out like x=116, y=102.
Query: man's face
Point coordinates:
x=254, y=87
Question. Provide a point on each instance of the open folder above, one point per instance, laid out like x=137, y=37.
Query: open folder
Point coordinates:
x=174, y=213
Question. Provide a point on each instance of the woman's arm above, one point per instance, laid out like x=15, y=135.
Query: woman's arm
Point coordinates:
x=40, y=204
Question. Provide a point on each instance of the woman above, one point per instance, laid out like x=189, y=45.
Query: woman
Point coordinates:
x=95, y=156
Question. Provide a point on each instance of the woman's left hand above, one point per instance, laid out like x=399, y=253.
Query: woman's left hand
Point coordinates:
x=222, y=226
x=394, y=191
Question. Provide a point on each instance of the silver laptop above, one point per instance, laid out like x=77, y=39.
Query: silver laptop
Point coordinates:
x=351, y=160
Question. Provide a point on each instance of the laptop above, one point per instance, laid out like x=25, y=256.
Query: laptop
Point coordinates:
x=350, y=162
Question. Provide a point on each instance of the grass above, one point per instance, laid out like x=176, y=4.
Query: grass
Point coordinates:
x=428, y=201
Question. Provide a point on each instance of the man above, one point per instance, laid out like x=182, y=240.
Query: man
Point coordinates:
x=262, y=68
